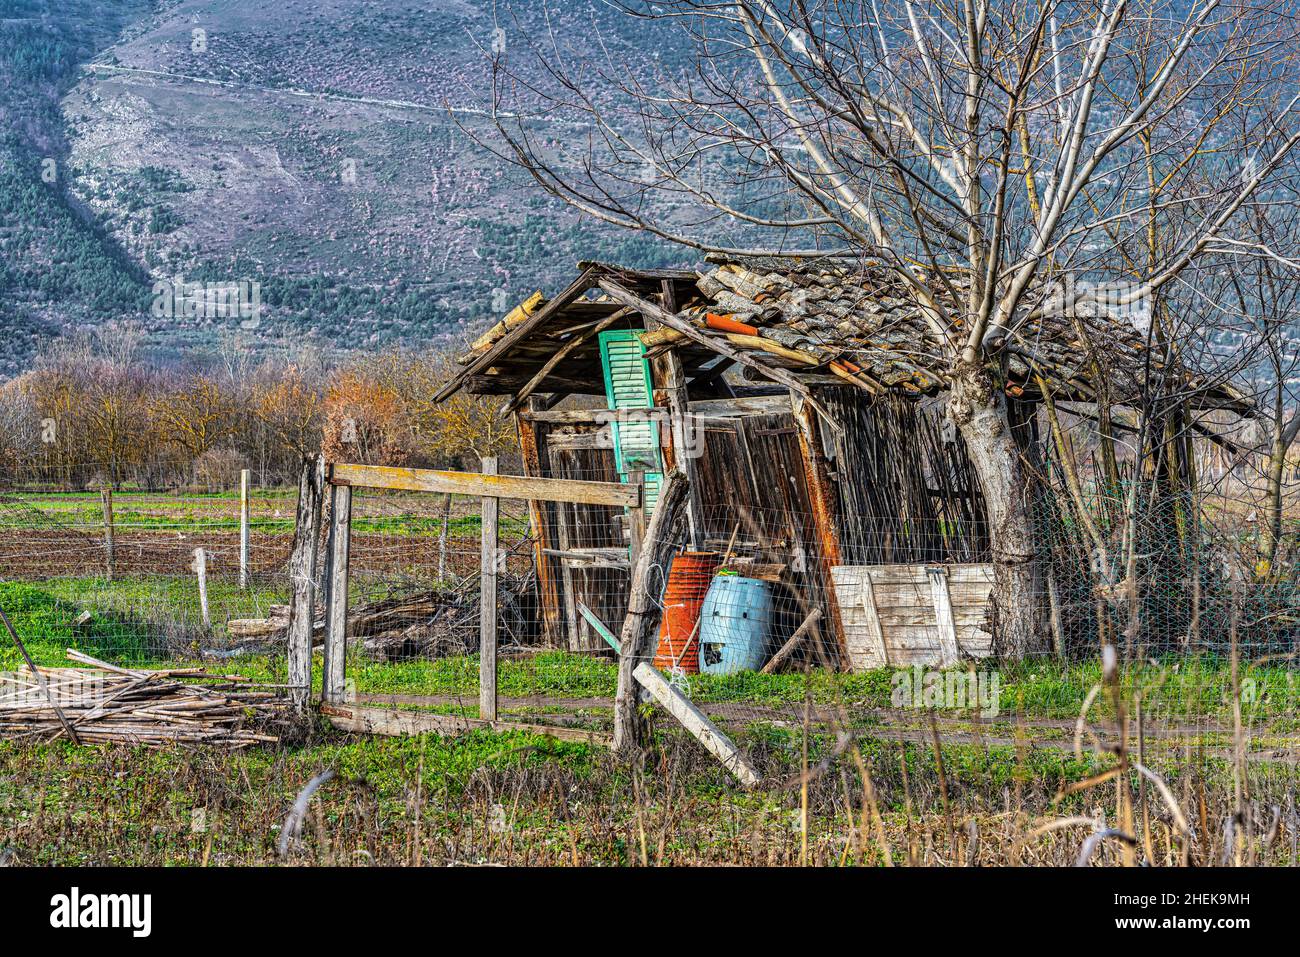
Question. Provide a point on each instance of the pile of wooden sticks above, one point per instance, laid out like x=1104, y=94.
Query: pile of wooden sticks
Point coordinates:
x=105, y=703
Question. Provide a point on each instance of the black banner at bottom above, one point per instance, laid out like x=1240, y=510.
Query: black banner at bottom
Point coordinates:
x=502, y=907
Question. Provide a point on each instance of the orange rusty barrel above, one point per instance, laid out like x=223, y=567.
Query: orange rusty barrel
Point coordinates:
x=689, y=578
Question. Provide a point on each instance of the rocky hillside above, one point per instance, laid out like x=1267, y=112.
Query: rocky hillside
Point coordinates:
x=314, y=147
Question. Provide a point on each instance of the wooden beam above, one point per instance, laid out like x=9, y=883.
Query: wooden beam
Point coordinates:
x=599, y=627
x=670, y=383
x=384, y=721
x=336, y=594
x=740, y=407
x=506, y=342
x=688, y=329
x=496, y=486
x=640, y=627
x=509, y=382
x=778, y=659
x=698, y=724
x=586, y=416
x=636, y=525
x=548, y=593
x=578, y=339
x=821, y=494
x=302, y=579
x=487, y=601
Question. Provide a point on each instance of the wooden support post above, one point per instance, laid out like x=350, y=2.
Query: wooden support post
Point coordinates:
x=548, y=588
x=244, y=510
x=302, y=577
x=636, y=522
x=698, y=724
x=200, y=568
x=943, y=614
x=487, y=635
x=336, y=612
x=106, y=499
x=825, y=521
x=875, y=631
x=641, y=625
x=670, y=390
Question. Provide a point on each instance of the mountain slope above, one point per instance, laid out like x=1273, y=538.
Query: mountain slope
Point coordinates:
x=313, y=147
x=57, y=265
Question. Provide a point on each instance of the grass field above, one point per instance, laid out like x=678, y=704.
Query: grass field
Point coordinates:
x=525, y=799
x=44, y=613
x=911, y=785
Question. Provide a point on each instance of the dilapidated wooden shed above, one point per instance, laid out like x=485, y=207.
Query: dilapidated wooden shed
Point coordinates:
x=804, y=401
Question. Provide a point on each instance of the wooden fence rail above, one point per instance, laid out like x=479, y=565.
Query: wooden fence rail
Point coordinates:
x=481, y=485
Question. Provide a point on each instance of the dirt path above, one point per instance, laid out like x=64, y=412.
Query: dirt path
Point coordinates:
x=913, y=726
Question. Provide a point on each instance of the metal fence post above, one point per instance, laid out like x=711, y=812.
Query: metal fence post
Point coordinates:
x=243, y=527
x=336, y=614
x=487, y=640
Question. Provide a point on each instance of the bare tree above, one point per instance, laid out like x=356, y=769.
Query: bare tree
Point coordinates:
x=976, y=150
x=1264, y=286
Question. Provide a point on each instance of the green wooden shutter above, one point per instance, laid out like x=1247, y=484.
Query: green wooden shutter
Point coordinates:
x=627, y=386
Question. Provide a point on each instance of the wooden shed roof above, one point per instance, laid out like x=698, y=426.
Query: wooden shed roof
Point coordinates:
x=824, y=320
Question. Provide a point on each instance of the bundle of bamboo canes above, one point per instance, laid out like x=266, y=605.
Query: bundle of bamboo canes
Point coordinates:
x=107, y=704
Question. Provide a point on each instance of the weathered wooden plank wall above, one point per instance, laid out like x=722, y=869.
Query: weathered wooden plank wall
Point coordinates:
x=752, y=484
x=892, y=618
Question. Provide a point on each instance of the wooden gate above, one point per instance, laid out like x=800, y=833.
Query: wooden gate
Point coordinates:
x=541, y=492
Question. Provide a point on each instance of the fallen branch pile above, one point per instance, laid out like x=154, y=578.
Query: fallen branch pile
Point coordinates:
x=108, y=704
x=411, y=624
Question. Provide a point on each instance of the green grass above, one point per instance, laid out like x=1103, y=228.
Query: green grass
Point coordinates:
x=431, y=799
x=155, y=622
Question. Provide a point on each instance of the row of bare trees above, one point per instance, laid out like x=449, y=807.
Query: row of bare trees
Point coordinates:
x=94, y=411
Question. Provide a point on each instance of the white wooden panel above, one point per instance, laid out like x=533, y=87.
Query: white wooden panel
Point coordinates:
x=889, y=613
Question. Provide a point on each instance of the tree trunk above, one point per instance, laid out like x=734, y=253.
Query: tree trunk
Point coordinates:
x=979, y=410
x=1270, y=528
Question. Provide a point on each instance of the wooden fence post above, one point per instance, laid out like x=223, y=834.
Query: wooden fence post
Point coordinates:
x=302, y=576
x=336, y=613
x=636, y=642
x=244, y=476
x=200, y=568
x=821, y=493
x=487, y=636
x=106, y=497
x=442, y=537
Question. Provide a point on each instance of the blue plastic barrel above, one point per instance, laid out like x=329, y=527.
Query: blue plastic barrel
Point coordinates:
x=737, y=625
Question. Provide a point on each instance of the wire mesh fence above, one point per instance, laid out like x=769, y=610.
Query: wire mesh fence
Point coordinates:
x=760, y=626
